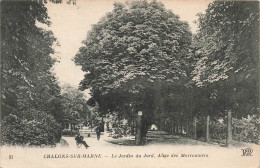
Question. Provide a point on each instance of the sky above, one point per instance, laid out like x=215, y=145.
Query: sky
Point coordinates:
x=71, y=23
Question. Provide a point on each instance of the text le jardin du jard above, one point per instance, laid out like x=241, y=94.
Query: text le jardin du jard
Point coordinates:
x=158, y=155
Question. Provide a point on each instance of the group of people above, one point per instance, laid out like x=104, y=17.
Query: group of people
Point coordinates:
x=80, y=139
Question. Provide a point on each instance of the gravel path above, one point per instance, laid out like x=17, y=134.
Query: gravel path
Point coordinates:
x=170, y=151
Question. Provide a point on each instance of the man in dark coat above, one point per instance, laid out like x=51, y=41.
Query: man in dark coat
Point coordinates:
x=98, y=131
x=79, y=140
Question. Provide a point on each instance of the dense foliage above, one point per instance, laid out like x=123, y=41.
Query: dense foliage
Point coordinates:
x=227, y=51
x=131, y=54
x=27, y=82
x=28, y=86
x=42, y=130
x=68, y=132
x=75, y=109
x=244, y=130
x=139, y=57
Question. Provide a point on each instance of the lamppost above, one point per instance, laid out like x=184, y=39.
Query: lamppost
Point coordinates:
x=138, y=136
x=132, y=119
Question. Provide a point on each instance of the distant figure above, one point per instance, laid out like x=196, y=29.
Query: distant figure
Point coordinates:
x=154, y=128
x=79, y=141
x=98, y=132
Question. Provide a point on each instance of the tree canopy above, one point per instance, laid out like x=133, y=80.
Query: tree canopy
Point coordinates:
x=137, y=40
x=131, y=54
x=137, y=44
x=27, y=82
x=74, y=106
x=227, y=42
x=30, y=93
x=227, y=48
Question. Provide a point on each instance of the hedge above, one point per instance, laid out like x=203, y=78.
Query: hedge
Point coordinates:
x=43, y=130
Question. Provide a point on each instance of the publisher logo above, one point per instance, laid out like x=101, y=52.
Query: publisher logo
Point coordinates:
x=247, y=152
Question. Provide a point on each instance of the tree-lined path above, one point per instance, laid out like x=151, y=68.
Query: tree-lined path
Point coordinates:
x=143, y=66
x=161, y=94
x=153, y=139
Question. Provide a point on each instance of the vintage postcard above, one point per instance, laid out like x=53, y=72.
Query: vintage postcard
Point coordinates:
x=133, y=84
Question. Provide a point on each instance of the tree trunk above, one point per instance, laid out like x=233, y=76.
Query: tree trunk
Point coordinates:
x=195, y=127
x=181, y=131
x=70, y=128
x=207, y=129
x=177, y=128
x=91, y=125
x=138, y=136
x=229, y=128
x=174, y=127
x=133, y=126
x=187, y=128
x=143, y=137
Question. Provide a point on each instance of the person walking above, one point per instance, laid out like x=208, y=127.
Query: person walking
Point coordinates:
x=98, y=131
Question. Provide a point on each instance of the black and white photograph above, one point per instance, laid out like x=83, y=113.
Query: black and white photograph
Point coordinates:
x=129, y=83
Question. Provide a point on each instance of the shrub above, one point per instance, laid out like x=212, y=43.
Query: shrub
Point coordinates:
x=246, y=129
x=12, y=130
x=218, y=130
x=243, y=130
x=117, y=133
x=120, y=131
x=43, y=130
x=68, y=132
